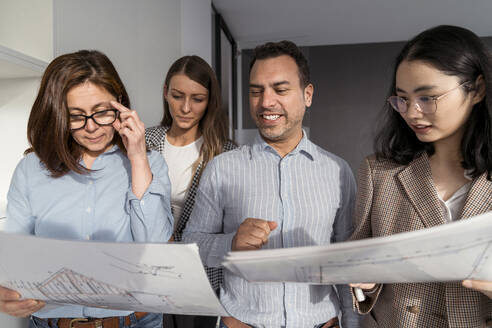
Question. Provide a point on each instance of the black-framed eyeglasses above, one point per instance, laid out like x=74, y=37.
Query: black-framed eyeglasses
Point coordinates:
x=424, y=104
x=104, y=117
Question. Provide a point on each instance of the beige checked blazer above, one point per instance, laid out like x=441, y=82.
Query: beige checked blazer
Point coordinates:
x=393, y=198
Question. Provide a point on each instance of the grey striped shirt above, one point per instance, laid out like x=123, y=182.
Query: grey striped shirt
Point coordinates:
x=309, y=193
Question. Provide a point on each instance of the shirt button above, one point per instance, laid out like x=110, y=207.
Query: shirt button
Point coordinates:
x=89, y=209
x=413, y=309
x=142, y=202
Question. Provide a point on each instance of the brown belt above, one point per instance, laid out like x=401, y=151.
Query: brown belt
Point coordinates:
x=110, y=322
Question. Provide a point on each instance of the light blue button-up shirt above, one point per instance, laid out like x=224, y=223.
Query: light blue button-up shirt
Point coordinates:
x=96, y=206
x=309, y=193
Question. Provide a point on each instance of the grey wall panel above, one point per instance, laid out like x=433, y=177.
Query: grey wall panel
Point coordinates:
x=351, y=83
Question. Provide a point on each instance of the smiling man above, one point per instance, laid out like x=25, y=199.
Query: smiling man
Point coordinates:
x=280, y=191
x=279, y=95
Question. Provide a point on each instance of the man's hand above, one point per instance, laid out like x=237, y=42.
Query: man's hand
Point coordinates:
x=252, y=234
x=480, y=285
x=11, y=304
x=364, y=287
x=232, y=322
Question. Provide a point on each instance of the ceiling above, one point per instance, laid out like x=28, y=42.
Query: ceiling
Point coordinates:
x=324, y=22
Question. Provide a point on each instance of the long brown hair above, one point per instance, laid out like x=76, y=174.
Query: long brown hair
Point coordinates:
x=214, y=124
x=48, y=129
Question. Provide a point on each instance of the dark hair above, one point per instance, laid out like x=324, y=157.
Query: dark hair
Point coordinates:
x=276, y=49
x=48, y=129
x=214, y=124
x=457, y=52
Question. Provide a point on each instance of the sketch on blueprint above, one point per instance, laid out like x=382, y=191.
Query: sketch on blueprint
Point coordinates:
x=142, y=268
x=455, y=251
x=162, y=278
x=69, y=287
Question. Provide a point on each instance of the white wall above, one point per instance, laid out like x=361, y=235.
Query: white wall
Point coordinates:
x=26, y=26
x=142, y=39
x=196, y=28
x=16, y=99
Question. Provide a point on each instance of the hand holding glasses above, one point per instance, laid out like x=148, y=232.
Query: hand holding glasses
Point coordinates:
x=124, y=120
x=131, y=130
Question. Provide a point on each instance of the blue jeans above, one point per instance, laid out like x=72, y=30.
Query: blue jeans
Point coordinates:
x=151, y=320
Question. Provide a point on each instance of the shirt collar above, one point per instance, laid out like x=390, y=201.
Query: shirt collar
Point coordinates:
x=305, y=147
x=111, y=150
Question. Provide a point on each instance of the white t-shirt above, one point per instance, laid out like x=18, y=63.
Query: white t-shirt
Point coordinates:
x=180, y=160
x=453, y=206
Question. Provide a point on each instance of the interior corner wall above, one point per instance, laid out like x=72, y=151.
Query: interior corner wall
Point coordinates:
x=16, y=100
x=247, y=121
x=142, y=39
x=26, y=26
x=196, y=28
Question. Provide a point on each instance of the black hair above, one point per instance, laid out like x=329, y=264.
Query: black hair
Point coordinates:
x=455, y=51
x=289, y=48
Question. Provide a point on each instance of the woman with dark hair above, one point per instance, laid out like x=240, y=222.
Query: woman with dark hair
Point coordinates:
x=86, y=176
x=432, y=166
x=193, y=130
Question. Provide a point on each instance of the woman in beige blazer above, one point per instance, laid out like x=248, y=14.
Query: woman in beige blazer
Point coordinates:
x=432, y=166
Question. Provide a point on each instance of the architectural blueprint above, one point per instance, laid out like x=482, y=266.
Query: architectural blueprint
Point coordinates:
x=455, y=251
x=165, y=278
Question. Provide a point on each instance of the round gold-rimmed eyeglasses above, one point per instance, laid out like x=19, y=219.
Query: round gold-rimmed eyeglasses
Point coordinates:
x=424, y=104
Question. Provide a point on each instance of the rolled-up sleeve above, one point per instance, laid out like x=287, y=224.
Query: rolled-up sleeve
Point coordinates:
x=151, y=218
